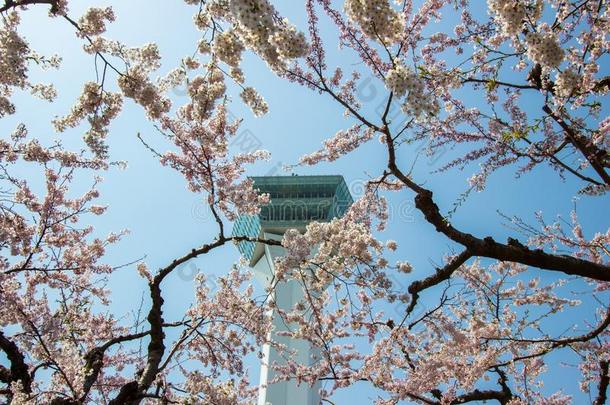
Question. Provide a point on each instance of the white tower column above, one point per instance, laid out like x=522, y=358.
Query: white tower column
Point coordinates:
x=295, y=202
x=286, y=295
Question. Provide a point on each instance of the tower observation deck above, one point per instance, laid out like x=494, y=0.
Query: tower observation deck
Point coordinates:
x=295, y=201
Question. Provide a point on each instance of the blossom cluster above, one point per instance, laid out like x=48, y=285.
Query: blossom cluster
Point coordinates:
x=15, y=55
x=228, y=48
x=204, y=92
x=93, y=22
x=377, y=19
x=567, y=82
x=13, y=67
x=257, y=27
x=289, y=43
x=342, y=143
x=100, y=108
x=136, y=82
x=402, y=80
x=601, y=138
x=255, y=101
x=510, y=15
x=544, y=48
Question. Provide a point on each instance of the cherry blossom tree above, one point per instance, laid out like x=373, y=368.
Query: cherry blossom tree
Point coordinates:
x=484, y=334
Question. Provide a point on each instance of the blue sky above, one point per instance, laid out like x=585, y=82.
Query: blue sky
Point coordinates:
x=166, y=220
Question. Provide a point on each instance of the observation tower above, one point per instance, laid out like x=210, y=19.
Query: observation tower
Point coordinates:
x=295, y=201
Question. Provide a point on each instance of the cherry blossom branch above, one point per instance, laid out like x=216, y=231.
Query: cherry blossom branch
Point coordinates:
x=49, y=355
x=18, y=368
x=514, y=251
x=5, y=375
x=133, y=391
x=97, y=53
x=442, y=302
x=604, y=381
x=557, y=161
x=367, y=54
x=591, y=153
x=94, y=360
x=560, y=343
x=8, y=4
x=441, y=275
x=499, y=83
x=535, y=78
x=488, y=247
x=602, y=84
x=502, y=397
x=345, y=104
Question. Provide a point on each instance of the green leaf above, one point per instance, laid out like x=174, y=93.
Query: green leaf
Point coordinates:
x=491, y=85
